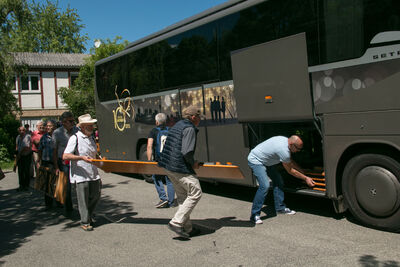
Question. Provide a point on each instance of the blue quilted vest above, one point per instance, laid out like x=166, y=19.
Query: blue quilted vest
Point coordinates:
x=171, y=156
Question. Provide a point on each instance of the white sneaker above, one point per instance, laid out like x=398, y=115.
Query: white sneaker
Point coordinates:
x=257, y=220
x=286, y=211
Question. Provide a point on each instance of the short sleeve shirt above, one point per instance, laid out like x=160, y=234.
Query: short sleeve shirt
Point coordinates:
x=36, y=135
x=60, y=138
x=80, y=170
x=271, y=152
x=153, y=134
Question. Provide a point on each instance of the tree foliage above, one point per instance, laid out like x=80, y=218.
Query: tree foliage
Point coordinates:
x=80, y=97
x=10, y=10
x=46, y=29
x=30, y=27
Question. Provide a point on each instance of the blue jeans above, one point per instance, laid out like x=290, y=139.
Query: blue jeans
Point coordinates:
x=262, y=173
x=158, y=182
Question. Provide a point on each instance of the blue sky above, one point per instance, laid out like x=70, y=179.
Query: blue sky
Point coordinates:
x=132, y=19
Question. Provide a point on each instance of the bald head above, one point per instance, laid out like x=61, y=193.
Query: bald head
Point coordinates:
x=295, y=143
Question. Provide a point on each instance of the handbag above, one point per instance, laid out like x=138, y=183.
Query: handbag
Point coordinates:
x=60, y=193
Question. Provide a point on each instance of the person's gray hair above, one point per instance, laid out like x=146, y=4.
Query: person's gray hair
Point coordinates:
x=161, y=118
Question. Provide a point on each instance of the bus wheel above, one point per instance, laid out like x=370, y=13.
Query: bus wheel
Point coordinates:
x=371, y=188
x=143, y=157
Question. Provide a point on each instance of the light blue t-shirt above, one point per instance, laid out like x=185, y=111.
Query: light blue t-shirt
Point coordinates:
x=271, y=152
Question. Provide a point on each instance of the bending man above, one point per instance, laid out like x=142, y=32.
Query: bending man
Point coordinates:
x=262, y=159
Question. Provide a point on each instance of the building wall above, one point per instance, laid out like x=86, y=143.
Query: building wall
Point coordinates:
x=49, y=93
x=45, y=102
x=62, y=81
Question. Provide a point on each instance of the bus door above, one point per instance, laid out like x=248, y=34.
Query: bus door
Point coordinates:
x=272, y=81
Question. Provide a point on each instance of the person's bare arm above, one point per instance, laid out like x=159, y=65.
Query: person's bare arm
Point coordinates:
x=290, y=168
x=70, y=156
x=149, y=151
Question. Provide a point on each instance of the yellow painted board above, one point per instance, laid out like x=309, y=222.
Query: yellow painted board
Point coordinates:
x=146, y=167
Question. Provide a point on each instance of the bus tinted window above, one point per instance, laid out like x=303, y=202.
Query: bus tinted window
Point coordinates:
x=335, y=31
x=265, y=22
x=347, y=27
x=192, y=57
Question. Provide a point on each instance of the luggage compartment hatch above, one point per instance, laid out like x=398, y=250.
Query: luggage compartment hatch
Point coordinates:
x=272, y=82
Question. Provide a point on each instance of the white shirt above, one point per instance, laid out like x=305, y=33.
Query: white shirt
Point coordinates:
x=80, y=170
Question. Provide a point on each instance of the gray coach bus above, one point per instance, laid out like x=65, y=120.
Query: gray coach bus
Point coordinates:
x=326, y=70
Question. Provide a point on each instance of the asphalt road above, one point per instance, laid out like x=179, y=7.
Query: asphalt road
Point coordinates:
x=131, y=232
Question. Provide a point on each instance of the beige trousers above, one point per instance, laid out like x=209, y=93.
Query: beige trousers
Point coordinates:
x=188, y=191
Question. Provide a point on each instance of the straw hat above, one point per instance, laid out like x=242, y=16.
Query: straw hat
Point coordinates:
x=86, y=119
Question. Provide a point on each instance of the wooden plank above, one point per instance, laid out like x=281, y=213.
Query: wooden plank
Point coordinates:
x=145, y=167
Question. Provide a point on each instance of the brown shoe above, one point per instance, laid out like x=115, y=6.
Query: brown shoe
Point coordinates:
x=87, y=227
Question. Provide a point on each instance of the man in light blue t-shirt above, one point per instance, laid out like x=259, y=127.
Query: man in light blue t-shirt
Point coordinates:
x=262, y=159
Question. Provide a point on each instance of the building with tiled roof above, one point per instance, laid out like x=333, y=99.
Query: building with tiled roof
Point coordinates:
x=37, y=92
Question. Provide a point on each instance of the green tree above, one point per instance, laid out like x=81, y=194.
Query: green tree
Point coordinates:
x=30, y=27
x=10, y=11
x=46, y=29
x=80, y=97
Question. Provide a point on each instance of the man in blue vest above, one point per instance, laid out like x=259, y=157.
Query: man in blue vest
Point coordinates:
x=177, y=158
x=156, y=141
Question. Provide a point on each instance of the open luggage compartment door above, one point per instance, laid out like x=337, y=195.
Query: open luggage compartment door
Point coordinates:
x=272, y=82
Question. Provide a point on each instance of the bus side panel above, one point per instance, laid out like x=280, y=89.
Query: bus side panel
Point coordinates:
x=119, y=140
x=356, y=88
x=342, y=131
x=227, y=144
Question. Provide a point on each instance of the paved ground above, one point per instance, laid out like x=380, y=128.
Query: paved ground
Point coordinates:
x=131, y=232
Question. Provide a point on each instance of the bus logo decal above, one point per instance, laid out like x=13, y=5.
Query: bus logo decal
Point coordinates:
x=124, y=110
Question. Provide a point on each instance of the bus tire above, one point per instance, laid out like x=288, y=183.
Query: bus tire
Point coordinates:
x=143, y=157
x=371, y=189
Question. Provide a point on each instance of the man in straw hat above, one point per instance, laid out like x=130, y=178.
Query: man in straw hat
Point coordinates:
x=177, y=159
x=80, y=150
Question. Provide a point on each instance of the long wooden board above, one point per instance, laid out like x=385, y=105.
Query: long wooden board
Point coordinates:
x=145, y=167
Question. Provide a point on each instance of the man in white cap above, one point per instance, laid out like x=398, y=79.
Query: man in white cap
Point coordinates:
x=80, y=150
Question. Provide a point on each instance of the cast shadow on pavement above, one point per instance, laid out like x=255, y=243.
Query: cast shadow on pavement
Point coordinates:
x=206, y=226
x=307, y=204
x=23, y=214
x=372, y=261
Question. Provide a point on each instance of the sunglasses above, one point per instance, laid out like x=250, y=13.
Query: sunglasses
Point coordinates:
x=298, y=148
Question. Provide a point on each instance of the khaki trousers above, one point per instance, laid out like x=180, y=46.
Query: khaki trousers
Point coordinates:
x=188, y=192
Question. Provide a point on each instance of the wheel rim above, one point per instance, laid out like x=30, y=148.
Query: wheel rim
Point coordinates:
x=377, y=191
